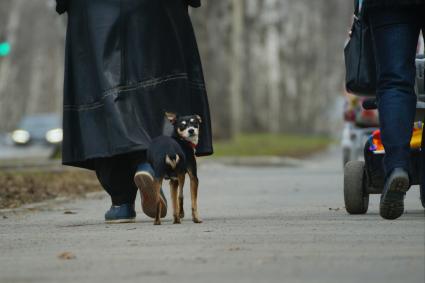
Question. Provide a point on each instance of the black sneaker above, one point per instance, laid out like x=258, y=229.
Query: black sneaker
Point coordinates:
x=124, y=213
x=392, y=198
x=144, y=180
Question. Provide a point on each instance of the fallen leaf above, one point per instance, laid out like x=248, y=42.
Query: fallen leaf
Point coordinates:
x=66, y=256
x=233, y=249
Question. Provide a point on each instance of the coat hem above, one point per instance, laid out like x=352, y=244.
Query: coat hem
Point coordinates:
x=88, y=162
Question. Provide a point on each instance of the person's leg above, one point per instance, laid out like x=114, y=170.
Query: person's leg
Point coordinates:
x=144, y=179
x=115, y=174
x=395, y=35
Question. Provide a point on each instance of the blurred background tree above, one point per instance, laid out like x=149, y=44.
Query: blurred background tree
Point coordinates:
x=271, y=65
x=31, y=77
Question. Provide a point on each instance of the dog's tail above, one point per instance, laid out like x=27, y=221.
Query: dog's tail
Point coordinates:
x=172, y=161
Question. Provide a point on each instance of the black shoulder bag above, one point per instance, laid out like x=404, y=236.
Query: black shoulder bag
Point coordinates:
x=360, y=58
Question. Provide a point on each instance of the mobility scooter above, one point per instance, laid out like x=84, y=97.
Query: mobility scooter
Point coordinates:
x=362, y=178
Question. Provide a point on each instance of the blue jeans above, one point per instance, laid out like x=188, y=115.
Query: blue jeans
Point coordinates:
x=395, y=34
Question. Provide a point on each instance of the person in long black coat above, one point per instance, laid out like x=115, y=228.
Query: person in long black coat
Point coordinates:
x=395, y=26
x=126, y=64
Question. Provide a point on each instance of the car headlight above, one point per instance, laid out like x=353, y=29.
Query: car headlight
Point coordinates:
x=54, y=136
x=21, y=136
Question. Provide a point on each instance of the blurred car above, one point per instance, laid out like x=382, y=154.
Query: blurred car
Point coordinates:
x=41, y=129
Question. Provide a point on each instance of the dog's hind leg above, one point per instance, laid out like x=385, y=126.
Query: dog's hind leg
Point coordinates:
x=182, y=178
x=174, y=189
x=158, y=203
x=194, y=183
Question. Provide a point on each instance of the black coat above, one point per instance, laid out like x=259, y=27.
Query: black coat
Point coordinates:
x=127, y=63
x=390, y=3
x=62, y=5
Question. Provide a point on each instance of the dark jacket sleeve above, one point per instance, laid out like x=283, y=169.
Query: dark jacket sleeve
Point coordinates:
x=61, y=6
x=194, y=3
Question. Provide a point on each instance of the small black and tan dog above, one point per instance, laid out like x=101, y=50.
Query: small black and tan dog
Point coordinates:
x=174, y=157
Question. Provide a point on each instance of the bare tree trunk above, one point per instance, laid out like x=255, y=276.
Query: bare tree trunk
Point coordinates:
x=213, y=26
x=7, y=68
x=237, y=66
x=31, y=77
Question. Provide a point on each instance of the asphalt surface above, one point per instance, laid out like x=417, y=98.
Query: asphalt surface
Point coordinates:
x=261, y=224
x=9, y=151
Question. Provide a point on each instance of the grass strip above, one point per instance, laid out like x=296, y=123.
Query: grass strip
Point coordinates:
x=271, y=145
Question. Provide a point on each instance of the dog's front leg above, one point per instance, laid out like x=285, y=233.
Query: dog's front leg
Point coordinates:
x=174, y=189
x=182, y=178
x=158, y=202
x=194, y=183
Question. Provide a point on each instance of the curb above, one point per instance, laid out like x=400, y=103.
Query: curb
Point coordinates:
x=48, y=204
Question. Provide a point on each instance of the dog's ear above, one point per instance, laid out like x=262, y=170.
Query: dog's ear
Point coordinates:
x=172, y=117
x=198, y=118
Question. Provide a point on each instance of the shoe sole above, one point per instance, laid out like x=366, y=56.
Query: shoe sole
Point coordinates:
x=145, y=182
x=121, y=221
x=392, y=204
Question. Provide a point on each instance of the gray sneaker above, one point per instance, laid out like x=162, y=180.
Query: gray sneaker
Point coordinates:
x=144, y=180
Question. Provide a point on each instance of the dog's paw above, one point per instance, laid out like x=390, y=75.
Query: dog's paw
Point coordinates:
x=181, y=213
x=157, y=222
x=197, y=220
x=177, y=221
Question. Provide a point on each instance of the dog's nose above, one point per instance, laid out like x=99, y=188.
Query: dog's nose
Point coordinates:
x=191, y=131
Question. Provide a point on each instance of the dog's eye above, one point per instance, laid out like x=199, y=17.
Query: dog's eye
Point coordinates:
x=183, y=123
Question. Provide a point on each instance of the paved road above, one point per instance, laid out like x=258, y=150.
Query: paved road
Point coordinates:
x=10, y=152
x=261, y=225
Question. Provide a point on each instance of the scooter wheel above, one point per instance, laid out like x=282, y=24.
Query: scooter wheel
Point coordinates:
x=355, y=196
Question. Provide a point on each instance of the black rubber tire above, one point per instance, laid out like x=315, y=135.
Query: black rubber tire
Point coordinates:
x=422, y=193
x=355, y=196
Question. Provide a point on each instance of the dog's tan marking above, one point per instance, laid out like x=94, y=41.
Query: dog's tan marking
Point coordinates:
x=194, y=184
x=172, y=163
x=174, y=190
x=181, y=133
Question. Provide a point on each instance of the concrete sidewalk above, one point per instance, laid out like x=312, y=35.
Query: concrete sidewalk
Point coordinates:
x=260, y=225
